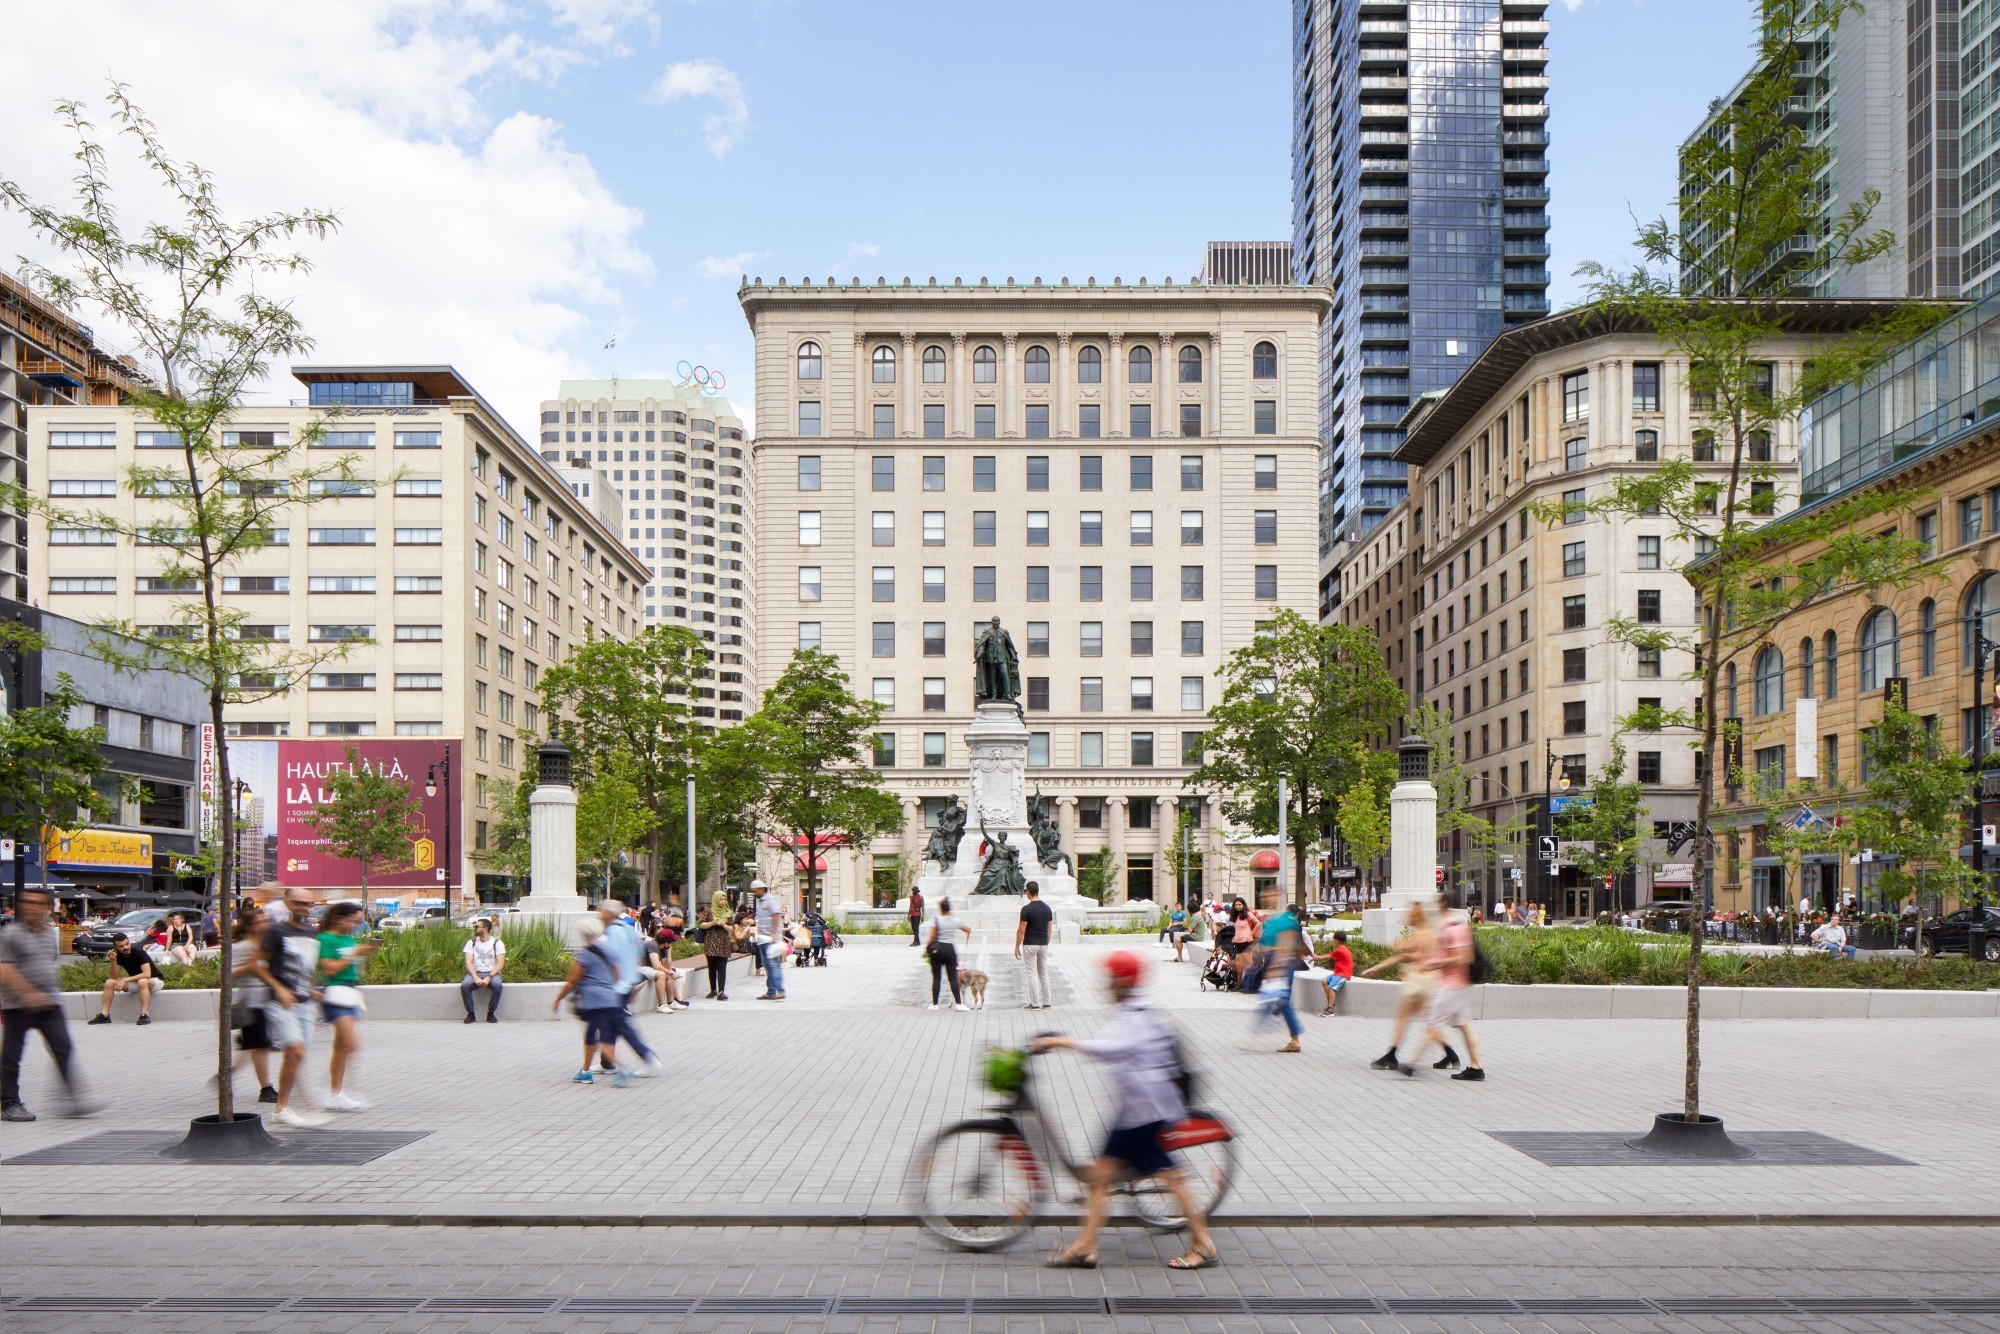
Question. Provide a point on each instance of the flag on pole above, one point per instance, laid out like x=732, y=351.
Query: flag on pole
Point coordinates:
x=613, y=342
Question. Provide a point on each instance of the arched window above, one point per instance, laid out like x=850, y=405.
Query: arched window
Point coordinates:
x=1036, y=365
x=1982, y=614
x=1190, y=364
x=1769, y=696
x=1878, y=649
x=1089, y=366
x=933, y=364
x=1141, y=364
x=1264, y=362
x=885, y=365
x=808, y=361
x=984, y=364
x=1831, y=664
x=1927, y=640
x=1806, y=668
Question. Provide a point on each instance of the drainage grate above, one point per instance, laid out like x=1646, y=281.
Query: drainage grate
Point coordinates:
x=1966, y=1305
x=1724, y=1305
x=1857, y=1305
x=149, y=1148
x=1773, y=1148
x=488, y=1305
x=1587, y=1306
x=1177, y=1305
x=1313, y=1305
x=109, y=1304
x=381, y=1305
x=247, y=1305
x=902, y=1305
x=1038, y=1305
x=628, y=1305
x=766, y=1305
x=1451, y=1305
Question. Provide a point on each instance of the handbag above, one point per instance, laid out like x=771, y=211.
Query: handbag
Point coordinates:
x=345, y=998
x=247, y=1000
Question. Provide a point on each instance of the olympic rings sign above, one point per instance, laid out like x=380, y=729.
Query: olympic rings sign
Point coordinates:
x=700, y=378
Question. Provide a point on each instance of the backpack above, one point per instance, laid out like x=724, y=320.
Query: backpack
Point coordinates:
x=1184, y=1078
x=1480, y=969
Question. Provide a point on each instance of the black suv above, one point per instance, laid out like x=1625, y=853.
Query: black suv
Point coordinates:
x=97, y=942
x=1946, y=935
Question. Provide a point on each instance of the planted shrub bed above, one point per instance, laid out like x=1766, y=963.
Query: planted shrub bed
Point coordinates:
x=418, y=954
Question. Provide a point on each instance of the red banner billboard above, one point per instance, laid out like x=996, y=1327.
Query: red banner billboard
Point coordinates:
x=286, y=781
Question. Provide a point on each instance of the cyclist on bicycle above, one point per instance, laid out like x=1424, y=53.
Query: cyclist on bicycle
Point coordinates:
x=1145, y=1078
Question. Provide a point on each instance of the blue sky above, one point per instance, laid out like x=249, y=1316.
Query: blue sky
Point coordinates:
x=523, y=180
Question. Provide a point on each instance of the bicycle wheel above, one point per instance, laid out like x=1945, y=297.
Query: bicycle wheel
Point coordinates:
x=980, y=1182
x=1206, y=1160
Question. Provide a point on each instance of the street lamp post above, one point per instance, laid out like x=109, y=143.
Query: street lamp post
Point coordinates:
x=443, y=767
x=1550, y=783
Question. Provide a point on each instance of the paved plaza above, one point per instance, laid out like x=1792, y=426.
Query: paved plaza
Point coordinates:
x=810, y=1110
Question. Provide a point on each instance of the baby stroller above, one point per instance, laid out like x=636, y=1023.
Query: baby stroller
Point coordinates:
x=820, y=937
x=1219, y=972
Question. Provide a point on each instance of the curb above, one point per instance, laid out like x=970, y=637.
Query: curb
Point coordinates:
x=816, y=1216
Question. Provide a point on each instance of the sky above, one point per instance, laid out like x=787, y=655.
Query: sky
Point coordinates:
x=522, y=181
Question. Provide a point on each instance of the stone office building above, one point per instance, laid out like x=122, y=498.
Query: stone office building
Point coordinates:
x=1123, y=474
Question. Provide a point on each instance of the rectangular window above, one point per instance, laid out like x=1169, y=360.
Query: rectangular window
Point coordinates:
x=1038, y=528
x=1037, y=421
x=885, y=750
x=1573, y=718
x=934, y=694
x=809, y=634
x=405, y=486
x=109, y=440
x=808, y=418
x=1649, y=606
x=409, y=439
x=1142, y=758
x=1191, y=528
x=1190, y=420
x=1038, y=472
x=420, y=537
x=1038, y=693
x=1089, y=754
x=933, y=639
x=1265, y=527
x=885, y=421
x=1191, y=478
x=1090, y=472
x=1264, y=416
x=808, y=528
x=1038, y=749
x=1649, y=662
x=341, y=634
x=1572, y=613
x=933, y=750
x=982, y=583
x=422, y=634
x=882, y=583
x=1140, y=421
x=342, y=537
x=1573, y=511
x=1576, y=453
x=1970, y=514
x=933, y=528
x=885, y=691
x=882, y=473
x=809, y=583
x=1645, y=386
x=882, y=525
x=884, y=639
x=983, y=419
x=1576, y=396
x=933, y=583
x=1038, y=583
x=1649, y=766
x=1646, y=446
x=1191, y=639
x=1090, y=694
x=1927, y=532
x=985, y=473
x=1191, y=694
x=808, y=472
x=1090, y=528
x=1191, y=583
x=985, y=528
x=1573, y=559
x=1142, y=528
x=1142, y=472
x=1090, y=422
x=419, y=680
x=1142, y=694
x=1649, y=553
x=1090, y=639
x=1266, y=581
x=933, y=472
x=1267, y=472
x=1573, y=664
x=1090, y=583
x=1142, y=583
x=1142, y=639
x=933, y=421
x=1038, y=639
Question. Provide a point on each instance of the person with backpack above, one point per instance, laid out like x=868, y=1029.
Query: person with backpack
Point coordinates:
x=1459, y=966
x=1149, y=1096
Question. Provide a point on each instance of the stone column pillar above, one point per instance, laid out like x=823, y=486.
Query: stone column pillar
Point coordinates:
x=1066, y=825
x=1114, y=384
x=959, y=391
x=1061, y=409
x=1010, y=389
x=1114, y=840
x=552, y=899
x=1163, y=388
x=1212, y=373
x=1413, y=857
x=863, y=427
x=913, y=827
x=910, y=377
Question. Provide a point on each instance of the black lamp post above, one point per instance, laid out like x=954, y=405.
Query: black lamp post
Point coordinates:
x=443, y=767
x=1551, y=781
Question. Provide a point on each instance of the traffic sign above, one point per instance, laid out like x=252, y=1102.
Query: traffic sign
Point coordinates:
x=1548, y=842
x=1440, y=875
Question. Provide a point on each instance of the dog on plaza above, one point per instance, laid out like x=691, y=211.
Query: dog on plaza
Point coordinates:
x=974, y=982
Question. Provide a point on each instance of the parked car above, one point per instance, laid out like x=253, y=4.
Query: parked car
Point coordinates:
x=405, y=918
x=97, y=942
x=1946, y=935
x=1666, y=915
x=1320, y=910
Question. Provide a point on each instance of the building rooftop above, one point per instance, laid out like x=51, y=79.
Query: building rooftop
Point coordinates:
x=624, y=389
x=755, y=291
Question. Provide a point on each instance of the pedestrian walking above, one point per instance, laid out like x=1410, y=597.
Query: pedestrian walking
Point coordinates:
x=340, y=954
x=1280, y=945
x=1031, y=947
x=719, y=939
x=1417, y=953
x=916, y=915
x=1451, y=999
x=622, y=945
x=947, y=934
x=287, y=962
x=31, y=1002
x=600, y=1002
x=1339, y=972
x=485, y=957
x=770, y=940
x=248, y=997
x=1145, y=1070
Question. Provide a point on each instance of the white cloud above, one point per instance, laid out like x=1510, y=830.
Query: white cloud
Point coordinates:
x=708, y=78
x=600, y=21
x=729, y=266
x=471, y=232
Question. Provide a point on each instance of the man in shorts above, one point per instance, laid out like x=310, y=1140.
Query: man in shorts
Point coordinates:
x=1451, y=1000
x=131, y=969
x=288, y=963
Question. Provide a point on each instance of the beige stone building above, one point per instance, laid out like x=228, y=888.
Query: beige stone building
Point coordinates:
x=679, y=469
x=1376, y=579
x=457, y=576
x=1124, y=475
x=1507, y=626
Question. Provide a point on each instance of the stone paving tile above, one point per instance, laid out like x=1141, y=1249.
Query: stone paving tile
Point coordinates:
x=821, y=1100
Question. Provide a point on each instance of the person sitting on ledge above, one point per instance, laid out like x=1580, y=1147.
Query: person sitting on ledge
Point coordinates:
x=485, y=956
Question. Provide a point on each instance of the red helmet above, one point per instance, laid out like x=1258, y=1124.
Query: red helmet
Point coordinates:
x=1125, y=968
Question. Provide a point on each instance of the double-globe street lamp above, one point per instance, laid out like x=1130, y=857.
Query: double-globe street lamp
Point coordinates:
x=442, y=768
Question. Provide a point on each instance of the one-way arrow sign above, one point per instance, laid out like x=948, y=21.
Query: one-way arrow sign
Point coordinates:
x=1548, y=842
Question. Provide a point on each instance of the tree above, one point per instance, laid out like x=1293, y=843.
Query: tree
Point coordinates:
x=509, y=845
x=185, y=287
x=1452, y=777
x=805, y=747
x=1607, y=820
x=49, y=770
x=633, y=697
x=1186, y=850
x=1097, y=874
x=1707, y=289
x=368, y=817
x=1363, y=810
x=610, y=819
x=1297, y=702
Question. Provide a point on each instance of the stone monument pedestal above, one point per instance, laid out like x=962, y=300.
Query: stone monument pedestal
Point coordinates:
x=552, y=900
x=1412, y=845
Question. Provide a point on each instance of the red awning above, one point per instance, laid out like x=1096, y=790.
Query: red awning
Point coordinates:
x=1266, y=860
x=819, y=865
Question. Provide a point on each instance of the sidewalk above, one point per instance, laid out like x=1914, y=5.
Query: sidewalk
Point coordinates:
x=810, y=1111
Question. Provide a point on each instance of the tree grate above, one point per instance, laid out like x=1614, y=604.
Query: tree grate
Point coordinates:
x=147, y=1148
x=1771, y=1148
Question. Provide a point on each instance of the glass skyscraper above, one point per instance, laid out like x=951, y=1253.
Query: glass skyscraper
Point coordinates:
x=1420, y=195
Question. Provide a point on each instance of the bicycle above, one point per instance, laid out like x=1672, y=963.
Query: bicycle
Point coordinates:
x=983, y=1180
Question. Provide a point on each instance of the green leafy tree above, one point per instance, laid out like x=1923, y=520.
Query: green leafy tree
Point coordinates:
x=1704, y=288
x=805, y=747
x=509, y=848
x=1363, y=810
x=184, y=286
x=1481, y=836
x=1187, y=849
x=368, y=817
x=1607, y=820
x=50, y=772
x=1097, y=874
x=633, y=697
x=1300, y=701
x=610, y=818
